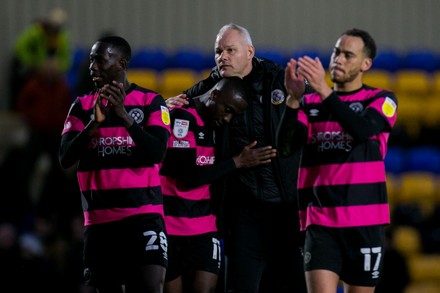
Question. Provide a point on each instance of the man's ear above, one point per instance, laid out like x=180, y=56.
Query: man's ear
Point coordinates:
x=366, y=65
x=251, y=52
x=123, y=63
x=214, y=94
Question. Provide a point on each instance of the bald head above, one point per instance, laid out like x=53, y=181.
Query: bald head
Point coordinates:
x=227, y=98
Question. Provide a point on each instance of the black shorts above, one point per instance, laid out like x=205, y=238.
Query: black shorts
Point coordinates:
x=111, y=250
x=355, y=254
x=191, y=253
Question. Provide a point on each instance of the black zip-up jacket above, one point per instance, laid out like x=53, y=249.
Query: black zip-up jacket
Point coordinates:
x=270, y=183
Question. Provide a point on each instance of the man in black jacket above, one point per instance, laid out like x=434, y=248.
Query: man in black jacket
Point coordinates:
x=259, y=204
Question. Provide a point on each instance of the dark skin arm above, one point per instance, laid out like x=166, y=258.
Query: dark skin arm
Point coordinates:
x=198, y=175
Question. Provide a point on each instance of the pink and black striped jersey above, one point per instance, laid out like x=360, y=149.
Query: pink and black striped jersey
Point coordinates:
x=342, y=180
x=188, y=209
x=116, y=176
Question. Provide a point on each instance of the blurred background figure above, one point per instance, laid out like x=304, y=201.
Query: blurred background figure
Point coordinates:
x=43, y=103
x=44, y=40
x=42, y=98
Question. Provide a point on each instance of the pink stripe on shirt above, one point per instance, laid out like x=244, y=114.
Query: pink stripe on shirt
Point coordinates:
x=190, y=226
x=348, y=216
x=335, y=174
x=119, y=178
x=72, y=123
x=115, y=214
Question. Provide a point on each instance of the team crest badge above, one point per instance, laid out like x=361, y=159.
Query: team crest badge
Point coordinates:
x=137, y=115
x=277, y=97
x=357, y=107
x=180, y=129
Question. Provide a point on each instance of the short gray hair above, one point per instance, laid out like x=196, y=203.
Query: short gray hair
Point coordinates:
x=243, y=31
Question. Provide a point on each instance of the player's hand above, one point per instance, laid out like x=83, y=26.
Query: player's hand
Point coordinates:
x=101, y=108
x=179, y=100
x=293, y=81
x=114, y=93
x=313, y=70
x=251, y=156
